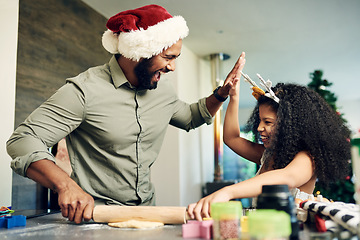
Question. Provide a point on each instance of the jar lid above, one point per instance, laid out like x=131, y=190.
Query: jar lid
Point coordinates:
x=275, y=188
x=226, y=210
x=269, y=223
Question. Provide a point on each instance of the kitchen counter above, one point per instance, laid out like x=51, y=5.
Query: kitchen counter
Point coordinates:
x=54, y=226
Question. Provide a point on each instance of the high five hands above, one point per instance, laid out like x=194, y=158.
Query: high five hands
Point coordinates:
x=233, y=78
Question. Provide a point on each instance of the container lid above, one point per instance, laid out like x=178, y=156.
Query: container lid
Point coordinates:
x=226, y=210
x=269, y=223
x=275, y=188
x=356, y=142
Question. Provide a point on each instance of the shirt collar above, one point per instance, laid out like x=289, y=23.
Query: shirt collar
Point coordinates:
x=116, y=73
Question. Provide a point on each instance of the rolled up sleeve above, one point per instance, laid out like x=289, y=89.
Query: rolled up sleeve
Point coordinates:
x=191, y=116
x=47, y=125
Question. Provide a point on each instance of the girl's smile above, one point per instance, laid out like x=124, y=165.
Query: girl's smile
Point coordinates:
x=267, y=122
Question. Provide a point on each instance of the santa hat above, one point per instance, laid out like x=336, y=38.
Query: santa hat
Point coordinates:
x=143, y=32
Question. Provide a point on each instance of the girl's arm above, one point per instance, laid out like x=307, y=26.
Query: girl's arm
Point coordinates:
x=296, y=174
x=241, y=146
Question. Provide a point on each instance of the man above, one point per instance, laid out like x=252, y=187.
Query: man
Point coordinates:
x=114, y=117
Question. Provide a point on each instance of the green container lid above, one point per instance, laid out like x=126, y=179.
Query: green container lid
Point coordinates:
x=226, y=210
x=356, y=142
x=269, y=223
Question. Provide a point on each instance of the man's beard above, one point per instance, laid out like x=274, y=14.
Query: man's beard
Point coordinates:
x=143, y=74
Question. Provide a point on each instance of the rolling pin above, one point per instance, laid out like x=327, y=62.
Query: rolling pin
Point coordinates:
x=116, y=213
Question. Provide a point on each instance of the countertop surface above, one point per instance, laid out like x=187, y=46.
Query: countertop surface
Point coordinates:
x=54, y=226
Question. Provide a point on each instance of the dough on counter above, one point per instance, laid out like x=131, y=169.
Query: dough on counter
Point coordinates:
x=136, y=224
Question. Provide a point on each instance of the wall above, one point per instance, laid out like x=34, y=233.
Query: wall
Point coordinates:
x=57, y=40
x=8, y=48
x=351, y=111
x=197, y=146
x=185, y=162
x=44, y=63
x=186, y=159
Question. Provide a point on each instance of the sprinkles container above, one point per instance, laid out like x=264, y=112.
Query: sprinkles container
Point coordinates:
x=226, y=217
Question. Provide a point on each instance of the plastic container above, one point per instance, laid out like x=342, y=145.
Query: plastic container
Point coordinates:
x=269, y=224
x=278, y=197
x=226, y=217
x=355, y=159
x=244, y=228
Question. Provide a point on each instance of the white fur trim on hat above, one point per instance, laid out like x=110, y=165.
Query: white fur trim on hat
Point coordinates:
x=146, y=43
x=110, y=41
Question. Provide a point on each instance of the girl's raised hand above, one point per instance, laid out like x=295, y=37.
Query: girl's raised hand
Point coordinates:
x=231, y=82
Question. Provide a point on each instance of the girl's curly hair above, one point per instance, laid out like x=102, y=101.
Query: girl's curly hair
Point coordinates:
x=305, y=122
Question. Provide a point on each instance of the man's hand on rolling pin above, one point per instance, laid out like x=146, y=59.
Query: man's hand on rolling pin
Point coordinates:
x=201, y=209
x=75, y=204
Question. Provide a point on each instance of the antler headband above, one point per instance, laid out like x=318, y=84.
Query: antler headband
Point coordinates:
x=257, y=92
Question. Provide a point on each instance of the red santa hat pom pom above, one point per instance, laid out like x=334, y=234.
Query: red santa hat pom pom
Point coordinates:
x=143, y=32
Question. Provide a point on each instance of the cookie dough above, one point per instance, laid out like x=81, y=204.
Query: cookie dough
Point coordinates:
x=136, y=224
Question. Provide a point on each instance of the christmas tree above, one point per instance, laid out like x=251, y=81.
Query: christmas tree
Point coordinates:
x=343, y=189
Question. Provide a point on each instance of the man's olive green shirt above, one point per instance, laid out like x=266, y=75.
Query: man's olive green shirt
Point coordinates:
x=113, y=132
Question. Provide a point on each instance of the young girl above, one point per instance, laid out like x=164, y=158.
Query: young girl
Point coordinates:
x=299, y=140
